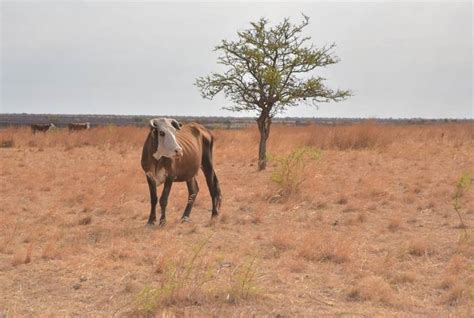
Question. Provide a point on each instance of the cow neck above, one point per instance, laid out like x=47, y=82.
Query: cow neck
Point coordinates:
x=165, y=163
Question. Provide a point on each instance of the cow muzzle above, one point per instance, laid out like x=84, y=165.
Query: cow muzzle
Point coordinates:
x=178, y=152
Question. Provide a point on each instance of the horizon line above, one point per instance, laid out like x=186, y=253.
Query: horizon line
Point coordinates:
x=240, y=117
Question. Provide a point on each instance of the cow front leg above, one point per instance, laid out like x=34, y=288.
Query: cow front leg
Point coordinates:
x=153, y=200
x=164, y=199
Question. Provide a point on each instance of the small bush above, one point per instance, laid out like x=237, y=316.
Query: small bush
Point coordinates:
x=244, y=282
x=191, y=281
x=147, y=299
x=289, y=173
x=463, y=183
x=182, y=281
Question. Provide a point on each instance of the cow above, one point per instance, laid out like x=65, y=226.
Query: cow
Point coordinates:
x=174, y=153
x=79, y=126
x=41, y=127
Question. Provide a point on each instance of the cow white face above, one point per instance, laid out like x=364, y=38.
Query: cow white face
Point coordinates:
x=165, y=130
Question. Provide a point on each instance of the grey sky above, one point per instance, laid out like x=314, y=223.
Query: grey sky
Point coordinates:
x=401, y=59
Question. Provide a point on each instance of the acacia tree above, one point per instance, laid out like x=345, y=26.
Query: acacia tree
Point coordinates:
x=266, y=71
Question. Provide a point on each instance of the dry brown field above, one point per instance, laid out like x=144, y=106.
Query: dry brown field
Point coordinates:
x=367, y=229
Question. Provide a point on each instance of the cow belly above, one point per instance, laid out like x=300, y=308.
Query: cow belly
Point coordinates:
x=185, y=171
x=189, y=164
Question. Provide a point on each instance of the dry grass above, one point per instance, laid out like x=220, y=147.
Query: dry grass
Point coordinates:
x=395, y=224
x=372, y=288
x=371, y=230
x=283, y=239
x=22, y=258
x=454, y=283
x=325, y=245
x=420, y=247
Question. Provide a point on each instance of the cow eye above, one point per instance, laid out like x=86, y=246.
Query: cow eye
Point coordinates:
x=162, y=133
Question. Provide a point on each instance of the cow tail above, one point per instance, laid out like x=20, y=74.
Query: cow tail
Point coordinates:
x=217, y=187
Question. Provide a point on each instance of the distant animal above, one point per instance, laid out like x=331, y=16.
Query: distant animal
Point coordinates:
x=79, y=126
x=41, y=127
x=174, y=153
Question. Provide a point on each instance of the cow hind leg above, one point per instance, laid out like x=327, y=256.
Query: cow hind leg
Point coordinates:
x=153, y=200
x=212, y=181
x=164, y=199
x=193, y=190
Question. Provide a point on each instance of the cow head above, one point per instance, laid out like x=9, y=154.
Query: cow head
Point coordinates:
x=164, y=130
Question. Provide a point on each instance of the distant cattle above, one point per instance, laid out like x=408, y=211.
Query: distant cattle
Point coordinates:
x=79, y=126
x=174, y=153
x=41, y=127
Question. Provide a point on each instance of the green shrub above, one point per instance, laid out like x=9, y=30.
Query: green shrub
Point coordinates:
x=244, y=282
x=182, y=281
x=290, y=170
x=192, y=280
x=147, y=299
x=463, y=183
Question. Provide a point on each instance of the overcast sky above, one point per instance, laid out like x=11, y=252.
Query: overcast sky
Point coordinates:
x=401, y=59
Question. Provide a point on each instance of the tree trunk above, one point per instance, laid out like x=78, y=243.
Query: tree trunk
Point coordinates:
x=264, y=121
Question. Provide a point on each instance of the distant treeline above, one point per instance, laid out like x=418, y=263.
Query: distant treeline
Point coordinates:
x=62, y=120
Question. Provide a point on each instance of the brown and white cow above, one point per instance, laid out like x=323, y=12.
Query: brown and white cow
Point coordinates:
x=175, y=153
x=79, y=126
x=41, y=127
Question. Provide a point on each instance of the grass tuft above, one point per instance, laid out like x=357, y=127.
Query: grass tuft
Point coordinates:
x=325, y=246
x=372, y=288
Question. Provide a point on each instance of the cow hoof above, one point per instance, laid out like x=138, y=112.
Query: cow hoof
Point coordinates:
x=185, y=219
x=162, y=222
x=150, y=223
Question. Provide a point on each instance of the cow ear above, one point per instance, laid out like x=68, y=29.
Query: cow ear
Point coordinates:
x=176, y=124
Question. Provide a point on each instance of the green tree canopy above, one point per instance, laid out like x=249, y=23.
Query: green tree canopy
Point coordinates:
x=266, y=70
